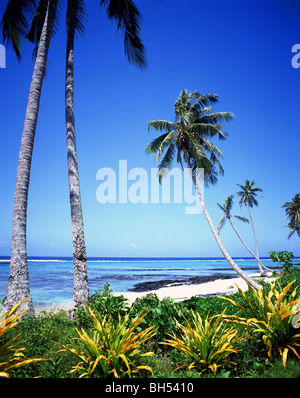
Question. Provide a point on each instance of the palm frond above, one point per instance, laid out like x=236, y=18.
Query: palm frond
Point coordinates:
x=217, y=164
x=204, y=129
x=15, y=23
x=292, y=231
x=167, y=141
x=222, y=135
x=241, y=218
x=210, y=147
x=222, y=207
x=154, y=145
x=76, y=14
x=161, y=125
x=248, y=193
x=167, y=161
x=227, y=206
x=221, y=224
x=197, y=151
x=203, y=100
x=191, y=135
x=199, y=160
x=128, y=19
x=292, y=211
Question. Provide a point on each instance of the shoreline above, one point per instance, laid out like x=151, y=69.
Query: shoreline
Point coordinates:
x=186, y=291
x=181, y=290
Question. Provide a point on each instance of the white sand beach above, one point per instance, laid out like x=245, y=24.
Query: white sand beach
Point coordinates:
x=184, y=292
x=175, y=291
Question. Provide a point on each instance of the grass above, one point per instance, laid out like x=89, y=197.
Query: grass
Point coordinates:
x=41, y=334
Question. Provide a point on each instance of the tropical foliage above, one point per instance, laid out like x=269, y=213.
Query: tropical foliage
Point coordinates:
x=271, y=314
x=111, y=350
x=205, y=344
x=248, y=193
x=292, y=211
x=104, y=302
x=283, y=258
x=11, y=351
x=188, y=137
x=41, y=332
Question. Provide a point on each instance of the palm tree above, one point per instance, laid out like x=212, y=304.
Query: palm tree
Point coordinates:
x=14, y=30
x=127, y=16
x=75, y=16
x=188, y=138
x=292, y=211
x=248, y=195
x=226, y=208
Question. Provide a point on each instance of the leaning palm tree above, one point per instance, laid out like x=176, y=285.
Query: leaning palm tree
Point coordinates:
x=187, y=138
x=248, y=195
x=292, y=211
x=226, y=208
x=127, y=17
x=14, y=29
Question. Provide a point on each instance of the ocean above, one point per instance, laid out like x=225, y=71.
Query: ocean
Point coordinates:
x=51, y=278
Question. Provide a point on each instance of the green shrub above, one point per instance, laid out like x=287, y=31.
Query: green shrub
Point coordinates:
x=104, y=302
x=110, y=349
x=271, y=313
x=160, y=313
x=12, y=349
x=206, y=344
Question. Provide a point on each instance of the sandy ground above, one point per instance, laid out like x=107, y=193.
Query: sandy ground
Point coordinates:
x=177, y=292
x=183, y=292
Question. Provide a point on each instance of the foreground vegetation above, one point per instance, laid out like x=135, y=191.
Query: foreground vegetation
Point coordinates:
x=250, y=334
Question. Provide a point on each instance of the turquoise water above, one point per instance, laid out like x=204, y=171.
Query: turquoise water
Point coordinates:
x=51, y=279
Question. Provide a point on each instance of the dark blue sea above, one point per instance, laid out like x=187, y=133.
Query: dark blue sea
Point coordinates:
x=51, y=279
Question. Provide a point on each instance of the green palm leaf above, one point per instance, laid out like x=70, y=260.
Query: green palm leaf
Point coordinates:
x=15, y=23
x=292, y=211
x=248, y=193
x=194, y=124
x=128, y=19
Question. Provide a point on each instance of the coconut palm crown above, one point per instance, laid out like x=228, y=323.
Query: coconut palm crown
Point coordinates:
x=226, y=208
x=248, y=193
x=292, y=211
x=188, y=137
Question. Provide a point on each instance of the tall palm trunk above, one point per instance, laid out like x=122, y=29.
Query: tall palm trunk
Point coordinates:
x=248, y=248
x=81, y=288
x=18, y=285
x=256, y=245
x=233, y=265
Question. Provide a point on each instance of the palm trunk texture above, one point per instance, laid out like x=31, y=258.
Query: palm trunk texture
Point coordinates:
x=18, y=285
x=81, y=288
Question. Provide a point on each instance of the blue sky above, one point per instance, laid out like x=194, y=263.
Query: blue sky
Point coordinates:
x=240, y=50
